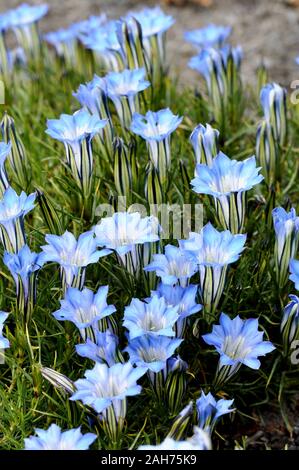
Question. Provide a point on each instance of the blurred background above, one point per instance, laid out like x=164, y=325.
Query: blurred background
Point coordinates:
x=267, y=30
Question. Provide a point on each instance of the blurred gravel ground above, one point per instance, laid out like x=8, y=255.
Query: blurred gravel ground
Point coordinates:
x=267, y=30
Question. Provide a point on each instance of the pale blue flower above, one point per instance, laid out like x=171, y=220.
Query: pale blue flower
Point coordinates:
x=123, y=88
x=13, y=209
x=153, y=21
x=182, y=297
x=104, y=386
x=289, y=326
x=208, y=62
x=204, y=142
x=85, y=308
x=103, y=350
x=227, y=180
x=273, y=101
x=286, y=226
x=72, y=255
x=294, y=270
x=152, y=317
x=27, y=14
x=210, y=35
x=90, y=96
x=55, y=439
x=4, y=343
x=209, y=410
x=238, y=341
x=124, y=230
x=199, y=441
x=152, y=351
x=175, y=266
x=64, y=41
x=213, y=251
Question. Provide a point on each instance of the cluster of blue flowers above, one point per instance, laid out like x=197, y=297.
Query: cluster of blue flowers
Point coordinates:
x=192, y=274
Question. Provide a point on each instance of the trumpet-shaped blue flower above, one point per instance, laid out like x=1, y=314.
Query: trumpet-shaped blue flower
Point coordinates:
x=76, y=132
x=55, y=439
x=152, y=351
x=289, y=326
x=156, y=128
x=124, y=232
x=227, y=181
x=209, y=410
x=13, y=209
x=26, y=14
x=104, y=387
x=210, y=35
x=199, y=441
x=213, y=251
x=84, y=308
x=204, y=142
x=4, y=343
x=72, y=255
x=153, y=21
x=273, y=101
x=4, y=152
x=175, y=266
x=103, y=350
x=286, y=226
x=123, y=88
x=294, y=270
x=64, y=42
x=153, y=317
x=238, y=342
x=23, y=267
x=182, y=297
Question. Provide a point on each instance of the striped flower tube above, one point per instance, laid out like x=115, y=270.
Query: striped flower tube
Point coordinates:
x=228, y=181
x=4, y=55
x=273, y=101
x=17, y=157
x=76, y=132
x=204, y=140
x=129, y=35
x=286, y=226
x=13, y=209
x=289, y=326
x=213, y=251
x=24, y=267
x=5, y=150
x=267, y=153
x=122, y=169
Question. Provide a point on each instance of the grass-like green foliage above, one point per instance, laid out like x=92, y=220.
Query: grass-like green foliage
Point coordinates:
x=26, y=399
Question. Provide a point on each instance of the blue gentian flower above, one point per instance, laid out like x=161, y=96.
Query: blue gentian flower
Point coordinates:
x=4, y=152
x=175, y=266
x=106, y=389
x=204, y=142
x=289, y=326
x=123, y=88
x=210, y=35
x=125, y=232
x=286, y=226
x=294, y=270
x=199, y=441
x=153, y=21
x=26, y=14
x=227, y=181
x=76, y=132
x=209, y=63
x=72, y=255
x=23, y=267
x=182, y=297
x=90, y=24
x=156, y=128
x=85, y=309
x=4, y=343
x=103, y=350
x=238, y=342
x=273, y=101
x=13, y=209
x=153, y=317
x=209, y=410
x=152, y=351
x=64, y=42
x=55, y=439
x=213, y=251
